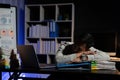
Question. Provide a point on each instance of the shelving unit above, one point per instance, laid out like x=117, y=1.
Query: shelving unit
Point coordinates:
x=47, y=26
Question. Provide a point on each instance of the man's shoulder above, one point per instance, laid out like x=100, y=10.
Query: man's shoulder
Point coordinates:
x=92, y=48
x=69, y=42
x=63, y=45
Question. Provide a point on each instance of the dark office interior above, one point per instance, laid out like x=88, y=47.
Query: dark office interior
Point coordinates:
x=98, y=17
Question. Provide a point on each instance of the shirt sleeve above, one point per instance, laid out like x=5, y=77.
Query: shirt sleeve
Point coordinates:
x=100, y=55
x=60, y=58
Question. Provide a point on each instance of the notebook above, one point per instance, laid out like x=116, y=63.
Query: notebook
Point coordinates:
x=29, y=58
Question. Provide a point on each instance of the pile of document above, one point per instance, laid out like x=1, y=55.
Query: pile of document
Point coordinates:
x=105, y=65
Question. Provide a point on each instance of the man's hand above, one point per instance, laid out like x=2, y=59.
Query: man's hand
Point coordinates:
x=89, y=52
x=77, y=60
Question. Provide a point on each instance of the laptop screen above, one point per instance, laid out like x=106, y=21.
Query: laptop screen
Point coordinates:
x=28, y=56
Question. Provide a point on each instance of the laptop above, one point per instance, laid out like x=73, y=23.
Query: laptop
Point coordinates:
x=29, y=58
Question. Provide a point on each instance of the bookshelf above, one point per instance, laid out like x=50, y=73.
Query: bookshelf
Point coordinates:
x=47, y=26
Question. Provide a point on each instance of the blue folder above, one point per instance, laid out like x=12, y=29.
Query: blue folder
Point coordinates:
x=85, y=64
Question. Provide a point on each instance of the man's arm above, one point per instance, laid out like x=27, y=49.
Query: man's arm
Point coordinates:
x=60, y=58
x=100, y=55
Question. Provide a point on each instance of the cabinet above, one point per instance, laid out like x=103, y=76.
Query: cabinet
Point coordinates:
x=47, y=26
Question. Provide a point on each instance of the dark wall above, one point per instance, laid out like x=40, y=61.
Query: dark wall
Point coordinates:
x=94, y=16
x=97, y=17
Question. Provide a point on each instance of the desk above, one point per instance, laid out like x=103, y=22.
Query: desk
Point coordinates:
x=63, y=74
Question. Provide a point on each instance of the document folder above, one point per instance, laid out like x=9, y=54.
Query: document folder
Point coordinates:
x=86, y=64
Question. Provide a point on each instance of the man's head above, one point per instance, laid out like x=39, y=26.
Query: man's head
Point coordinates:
x=85, y=40
x=70, y=49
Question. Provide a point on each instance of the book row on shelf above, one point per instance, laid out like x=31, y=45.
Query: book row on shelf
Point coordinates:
x=46, y=31
x=46, y=46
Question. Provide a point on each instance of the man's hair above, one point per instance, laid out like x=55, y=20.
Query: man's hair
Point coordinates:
x=85, y=38
x=70, y=49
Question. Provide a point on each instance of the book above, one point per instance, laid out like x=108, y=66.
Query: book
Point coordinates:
x=53, y=32
x=84, y=64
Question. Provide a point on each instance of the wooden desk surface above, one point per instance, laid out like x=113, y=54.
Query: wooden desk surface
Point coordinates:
x=115, y=59
x=112, y=53
x=101, y=74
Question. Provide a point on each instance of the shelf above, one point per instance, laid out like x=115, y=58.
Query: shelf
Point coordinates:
x=47, y=26
x=65, y=12
x=49, y=12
